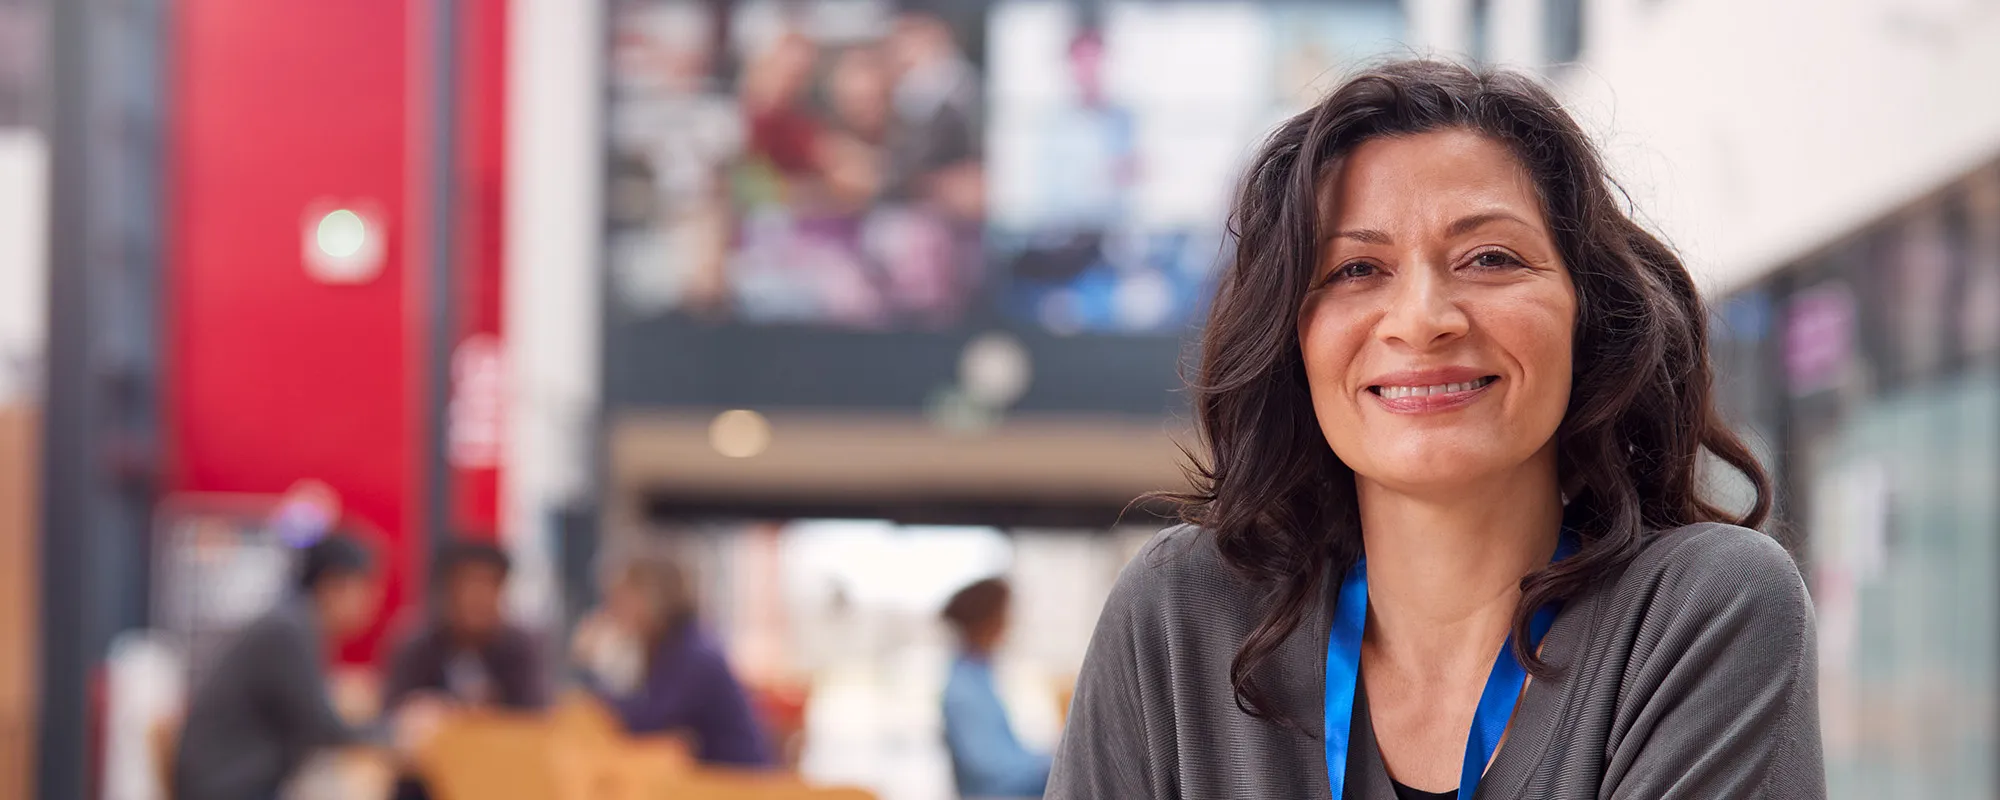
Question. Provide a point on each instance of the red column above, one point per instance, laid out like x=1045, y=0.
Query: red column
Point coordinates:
x=478, y=403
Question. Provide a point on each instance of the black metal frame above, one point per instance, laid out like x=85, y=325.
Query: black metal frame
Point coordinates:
x=665, y=508
x=100, y=440
x=441, y=334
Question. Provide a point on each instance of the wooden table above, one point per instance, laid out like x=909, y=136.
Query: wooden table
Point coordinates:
x=353, y=774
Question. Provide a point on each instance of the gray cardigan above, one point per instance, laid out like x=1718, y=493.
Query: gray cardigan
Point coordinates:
x=1691, y=675
x=261, y=711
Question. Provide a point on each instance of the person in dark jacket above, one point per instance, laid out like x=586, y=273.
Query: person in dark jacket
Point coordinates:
x=650, y=661
x=466, y=653
x=266, y=708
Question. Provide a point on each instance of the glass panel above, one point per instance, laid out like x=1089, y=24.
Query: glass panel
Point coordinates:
x=1904, y=577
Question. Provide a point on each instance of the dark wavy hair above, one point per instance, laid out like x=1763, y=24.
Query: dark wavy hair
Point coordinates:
x=1281, y=505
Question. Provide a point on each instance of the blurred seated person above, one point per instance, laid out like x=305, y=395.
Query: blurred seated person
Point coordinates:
x=266, y=706
x=986, y=759
x=467, y=654
x=648, y=658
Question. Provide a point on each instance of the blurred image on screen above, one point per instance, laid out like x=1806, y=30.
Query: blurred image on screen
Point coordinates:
x=911, y=166
x=1119, y=132
x=813, y=163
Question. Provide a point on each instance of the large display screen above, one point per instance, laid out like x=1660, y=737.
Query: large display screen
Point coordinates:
x=1117, y=138
x=878, y=184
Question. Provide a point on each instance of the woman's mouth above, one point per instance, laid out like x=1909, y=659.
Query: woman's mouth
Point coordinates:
x=1432, y=397
x=1400, y=392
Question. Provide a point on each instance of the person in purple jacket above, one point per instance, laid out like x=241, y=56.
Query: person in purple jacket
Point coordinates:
x=648, y=658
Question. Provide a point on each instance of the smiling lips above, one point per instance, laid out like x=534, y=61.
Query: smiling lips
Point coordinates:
x=1431, y=391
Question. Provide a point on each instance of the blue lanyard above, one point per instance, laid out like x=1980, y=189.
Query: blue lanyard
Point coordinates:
x=1343, y=674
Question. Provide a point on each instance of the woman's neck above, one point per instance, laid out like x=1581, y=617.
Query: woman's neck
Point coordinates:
x=1445, y=570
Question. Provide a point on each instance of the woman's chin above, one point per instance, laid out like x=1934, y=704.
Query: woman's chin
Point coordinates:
x=1438, y=470
x=1427, y=483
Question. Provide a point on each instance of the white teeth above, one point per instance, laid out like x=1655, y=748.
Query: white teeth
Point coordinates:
x=1399, y=392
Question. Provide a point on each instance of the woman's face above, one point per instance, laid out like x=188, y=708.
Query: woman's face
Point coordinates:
x=630, y=605
x=1437, y=332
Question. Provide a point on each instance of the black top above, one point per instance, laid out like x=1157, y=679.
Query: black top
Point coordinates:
x=506, y=672
x=1407, y=793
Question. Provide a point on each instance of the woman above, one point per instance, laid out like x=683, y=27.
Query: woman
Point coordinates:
x=657, y=669
x=1453, y=400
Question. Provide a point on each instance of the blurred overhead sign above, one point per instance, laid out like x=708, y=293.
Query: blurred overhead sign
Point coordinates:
x=478, y=378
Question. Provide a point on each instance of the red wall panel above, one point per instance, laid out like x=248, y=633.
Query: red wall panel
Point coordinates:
x=482, y=167
x=275, y=377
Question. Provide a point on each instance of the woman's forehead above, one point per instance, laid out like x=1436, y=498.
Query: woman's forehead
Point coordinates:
x=1426, y=183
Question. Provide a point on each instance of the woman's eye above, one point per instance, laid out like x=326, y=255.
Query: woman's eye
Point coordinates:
x=1494, y=259
x=1350, y=271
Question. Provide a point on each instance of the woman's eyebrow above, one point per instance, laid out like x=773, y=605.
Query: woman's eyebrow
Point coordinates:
x=1459, y=227
x=1473, y=222
x=1363, y=235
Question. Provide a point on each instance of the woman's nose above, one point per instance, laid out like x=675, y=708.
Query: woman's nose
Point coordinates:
x=1423, y=311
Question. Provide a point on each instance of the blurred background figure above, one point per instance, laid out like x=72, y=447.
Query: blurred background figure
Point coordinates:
x=987, y=761
x=935, y=137
x=266, y=706
x=646, y=653
x=466, y=653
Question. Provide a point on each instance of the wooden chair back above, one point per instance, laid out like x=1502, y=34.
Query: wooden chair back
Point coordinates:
x=578, y=752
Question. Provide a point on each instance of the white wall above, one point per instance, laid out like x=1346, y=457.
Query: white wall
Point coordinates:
x=552, y=251
x=1755, y=131
x=23, y=261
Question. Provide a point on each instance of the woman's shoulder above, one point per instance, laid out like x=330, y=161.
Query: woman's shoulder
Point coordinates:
x=1713, y=574
x=1180, y=571
x=1716, y=555
x=1705, y=666
x=1177, y=548
x=1178, y=558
